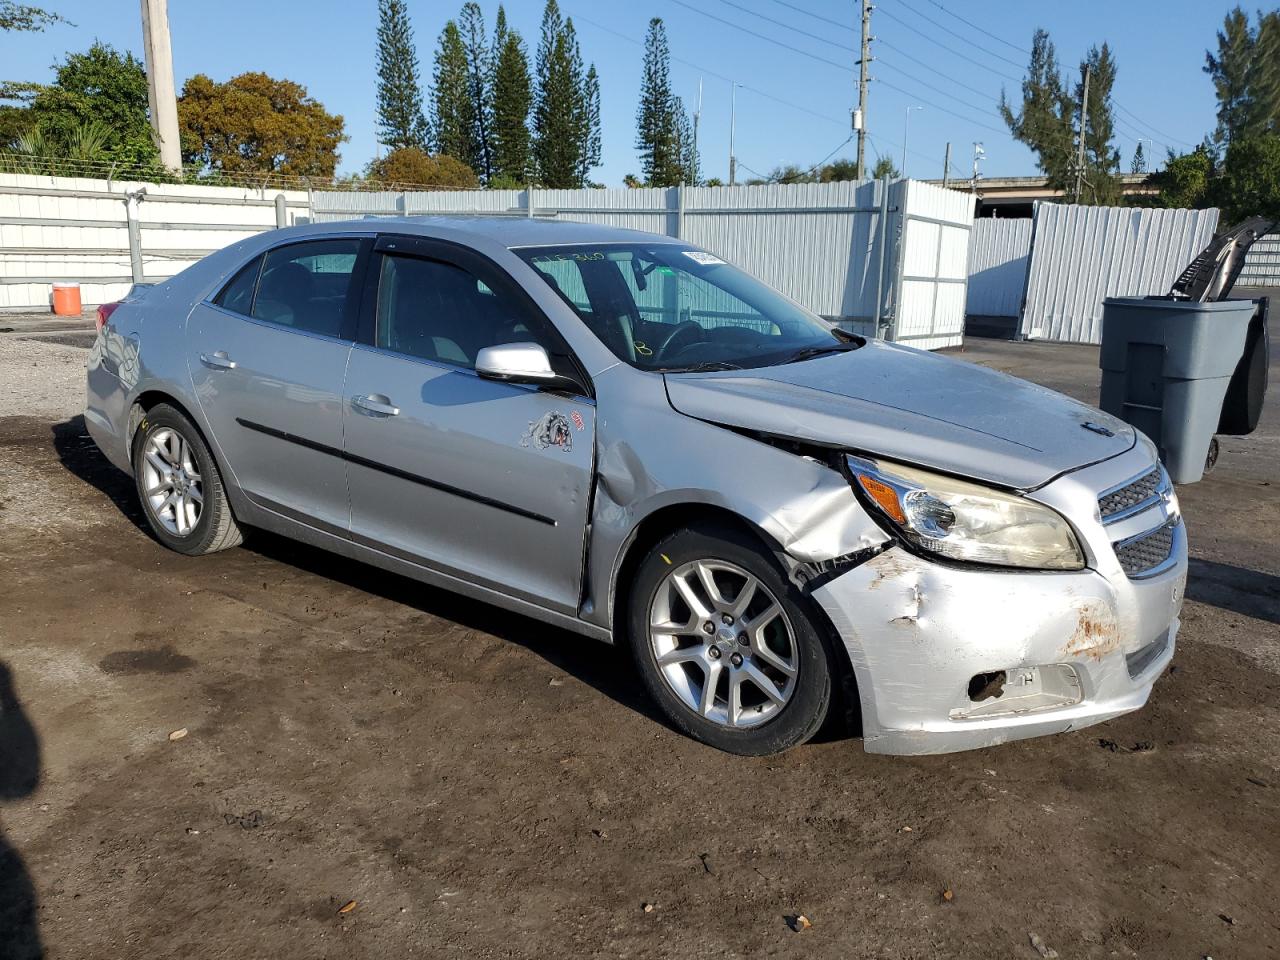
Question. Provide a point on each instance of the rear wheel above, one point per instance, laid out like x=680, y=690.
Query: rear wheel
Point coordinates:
x=179, y=485
x=727, y=645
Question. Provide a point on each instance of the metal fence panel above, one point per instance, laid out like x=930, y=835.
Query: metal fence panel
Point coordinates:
x=998, y=252
x=834, y=247
x=1083, y=255
x=1262, y=263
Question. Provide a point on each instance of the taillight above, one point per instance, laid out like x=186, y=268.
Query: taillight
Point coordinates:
x=104, y=313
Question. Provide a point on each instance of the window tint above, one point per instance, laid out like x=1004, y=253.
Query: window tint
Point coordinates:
x=304, y=285
x=237, y=296
x=438, y=311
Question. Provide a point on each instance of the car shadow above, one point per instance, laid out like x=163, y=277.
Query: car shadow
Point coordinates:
x=1233, y=588
x=80, y=456
x=19, y=777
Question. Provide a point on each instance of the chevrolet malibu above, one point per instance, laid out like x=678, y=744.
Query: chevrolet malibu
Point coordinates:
x=625, y=436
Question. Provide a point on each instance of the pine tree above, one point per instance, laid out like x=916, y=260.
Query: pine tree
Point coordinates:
x=1044, y=120
x=559, y=109
x=686, y=148
x=657, y=125
x=479, y=75
x=400, y=119
x=1139, y=164
x=512, y=100
x=454, y=117
x=592, y=148
x=1246, y=77
x=1100, y=183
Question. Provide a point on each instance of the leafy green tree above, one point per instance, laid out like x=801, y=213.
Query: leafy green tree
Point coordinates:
x=1250, y=182
x=256, y=124
x=690, y=162
x=657, y=122
x=1044, y=119
x=1245, y=72
x=512, y=101
x=790, y=173
x=454, y=117
x=413, y=166
x=839, y=171
x=401, y=122
x=1184, y=181
x=100, y=86
x=22, y=17
x=560, y=114
x=479, y=89
x=884, y=168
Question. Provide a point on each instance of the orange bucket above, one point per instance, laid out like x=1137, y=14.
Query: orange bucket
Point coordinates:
x=66, y=299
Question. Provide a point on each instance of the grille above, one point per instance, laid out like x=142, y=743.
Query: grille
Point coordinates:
x=1144, y=553
x=1130, y=495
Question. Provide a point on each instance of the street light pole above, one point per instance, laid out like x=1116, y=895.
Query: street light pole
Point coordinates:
x=906, y=127
x=733, y=122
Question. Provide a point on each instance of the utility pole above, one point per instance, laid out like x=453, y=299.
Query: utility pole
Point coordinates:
x=1084, y=123
x=733, y=122
x=860, y=118
x=161, y=95
x=946, y=167
x=697, y=118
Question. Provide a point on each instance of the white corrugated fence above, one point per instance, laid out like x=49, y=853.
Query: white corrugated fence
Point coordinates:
x=998, y=252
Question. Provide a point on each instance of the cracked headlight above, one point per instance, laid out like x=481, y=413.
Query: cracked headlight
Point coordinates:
x=966, y=521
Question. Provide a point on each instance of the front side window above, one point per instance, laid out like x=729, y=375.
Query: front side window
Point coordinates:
x=305, y=285
x=438, y=311
x=666, y=307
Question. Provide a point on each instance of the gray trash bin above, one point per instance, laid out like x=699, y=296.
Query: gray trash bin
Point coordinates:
x=1166, y=365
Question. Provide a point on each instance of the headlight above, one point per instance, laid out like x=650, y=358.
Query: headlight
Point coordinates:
x=965, y=521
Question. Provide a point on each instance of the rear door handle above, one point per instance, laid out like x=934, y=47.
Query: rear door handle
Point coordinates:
x=376, y=403
x=218, y=360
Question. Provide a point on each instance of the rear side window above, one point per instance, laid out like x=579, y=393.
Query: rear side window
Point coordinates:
x=305, y=285
x=237, y=296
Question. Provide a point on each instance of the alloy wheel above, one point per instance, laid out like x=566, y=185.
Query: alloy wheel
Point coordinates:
x=171, y=482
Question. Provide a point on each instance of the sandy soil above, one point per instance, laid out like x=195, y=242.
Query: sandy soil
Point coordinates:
x=484, y=786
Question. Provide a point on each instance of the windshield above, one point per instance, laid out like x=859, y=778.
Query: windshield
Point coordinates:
x=667, y=307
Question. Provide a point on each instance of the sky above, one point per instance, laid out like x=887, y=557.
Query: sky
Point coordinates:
x=796, y=67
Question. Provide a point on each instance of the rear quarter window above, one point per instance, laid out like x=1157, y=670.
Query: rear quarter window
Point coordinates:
x=237, y=295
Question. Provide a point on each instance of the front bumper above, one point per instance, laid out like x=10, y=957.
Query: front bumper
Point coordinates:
x=918, y=632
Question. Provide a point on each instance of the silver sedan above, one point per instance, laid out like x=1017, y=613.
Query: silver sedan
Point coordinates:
x=625, y=436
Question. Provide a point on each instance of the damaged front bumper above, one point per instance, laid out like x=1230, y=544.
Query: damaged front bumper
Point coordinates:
x=951, y=657
x=929, y=643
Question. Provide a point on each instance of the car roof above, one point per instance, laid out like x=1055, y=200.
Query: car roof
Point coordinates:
x=510, y=231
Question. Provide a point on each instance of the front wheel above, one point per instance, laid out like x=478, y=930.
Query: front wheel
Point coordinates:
x=179, y=485
x=727, y=645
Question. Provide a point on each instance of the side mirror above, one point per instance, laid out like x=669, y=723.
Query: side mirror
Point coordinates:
x=516, y=363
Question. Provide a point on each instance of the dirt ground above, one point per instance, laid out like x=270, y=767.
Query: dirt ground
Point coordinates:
x=481, y=785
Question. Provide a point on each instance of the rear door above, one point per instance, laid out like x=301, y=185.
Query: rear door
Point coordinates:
x=267, y=357
x=482, y=480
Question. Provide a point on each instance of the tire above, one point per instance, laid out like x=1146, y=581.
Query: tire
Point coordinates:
x=187, y=509
x=792, y=639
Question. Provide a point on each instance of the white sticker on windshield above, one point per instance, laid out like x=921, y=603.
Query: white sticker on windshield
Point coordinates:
x=706, y=259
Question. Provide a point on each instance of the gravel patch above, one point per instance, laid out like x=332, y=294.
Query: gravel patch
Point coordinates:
x=41, y=379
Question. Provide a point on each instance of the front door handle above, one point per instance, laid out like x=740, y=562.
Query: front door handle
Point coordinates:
x=218, y=360
x=376, y=403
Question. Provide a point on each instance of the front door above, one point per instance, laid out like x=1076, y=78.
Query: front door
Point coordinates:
x=267, y=358
x=481, y=480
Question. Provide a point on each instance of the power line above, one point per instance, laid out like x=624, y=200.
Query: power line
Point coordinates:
x=816, y=16
x=804, y=173
x=946, y=93
x=933, y=69
x=787, y=26
x=951, y=50
x=930, y=103
x=980, y=29
x=1151, y=128
x=930, y=19
x=765, y=37
x=719, y=76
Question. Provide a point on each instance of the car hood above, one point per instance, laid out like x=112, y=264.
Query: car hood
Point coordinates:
x=913, y=406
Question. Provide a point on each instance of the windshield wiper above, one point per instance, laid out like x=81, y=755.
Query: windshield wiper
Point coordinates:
x=706, y=366
x=808, y=353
